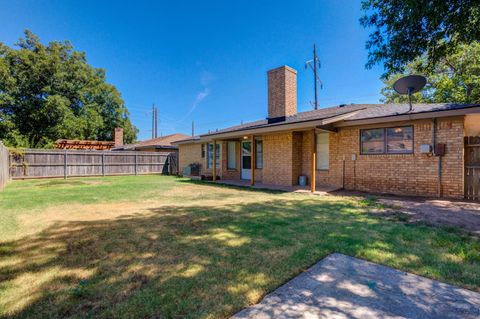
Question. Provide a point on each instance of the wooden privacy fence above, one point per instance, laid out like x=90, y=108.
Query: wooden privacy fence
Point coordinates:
x=4, y=164
x=34, y=163
x=472, y=167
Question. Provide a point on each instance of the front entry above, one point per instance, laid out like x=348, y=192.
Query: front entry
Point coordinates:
x=246, y=160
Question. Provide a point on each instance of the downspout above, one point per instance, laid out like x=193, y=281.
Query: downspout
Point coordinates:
x=439, y=168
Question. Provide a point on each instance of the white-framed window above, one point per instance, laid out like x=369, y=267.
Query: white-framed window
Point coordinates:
x=323, y=151
x=210, y=155
x=231, y=155
x=258, y=154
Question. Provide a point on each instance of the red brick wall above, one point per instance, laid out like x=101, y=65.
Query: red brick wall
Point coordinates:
x=282, y=92
x=288, y=155
x=277, y=159
x=407, y=174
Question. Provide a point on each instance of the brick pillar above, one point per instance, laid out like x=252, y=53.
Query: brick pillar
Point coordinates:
x=118, y=136
x=282, y=92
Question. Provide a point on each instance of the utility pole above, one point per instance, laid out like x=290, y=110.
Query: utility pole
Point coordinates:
x=313, y=65
x=156, y=122
x=153, y=121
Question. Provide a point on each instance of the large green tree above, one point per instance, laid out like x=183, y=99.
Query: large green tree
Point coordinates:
x=404, y=30
x=49, y=92
x=455, y=78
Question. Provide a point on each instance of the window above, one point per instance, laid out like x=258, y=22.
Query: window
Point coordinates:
x=258, y=154
x=203, y=150
x=391, y=140
x=231, y=155
x=210, y=155
x=373, y=141
x=323, y=151
x=400, y=140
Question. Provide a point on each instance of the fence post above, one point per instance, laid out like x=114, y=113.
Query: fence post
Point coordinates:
x=103, y=164
x=65, y=165
x=135, y=163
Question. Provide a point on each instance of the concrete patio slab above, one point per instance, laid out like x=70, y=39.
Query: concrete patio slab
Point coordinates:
x=343, y=287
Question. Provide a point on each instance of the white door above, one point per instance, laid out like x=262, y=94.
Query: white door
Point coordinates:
x=246, y=159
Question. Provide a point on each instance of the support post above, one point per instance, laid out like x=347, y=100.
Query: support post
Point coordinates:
x=103, y=164
x=252, y=163
x=135, y=164
x=313, y=183
x=214, y=168
x=65, y=165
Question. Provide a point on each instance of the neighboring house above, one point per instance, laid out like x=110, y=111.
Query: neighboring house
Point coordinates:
x=92, y=145
x=159, y=144
x=383, y=148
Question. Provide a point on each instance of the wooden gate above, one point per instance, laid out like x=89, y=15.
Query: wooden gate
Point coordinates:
x=472, y=167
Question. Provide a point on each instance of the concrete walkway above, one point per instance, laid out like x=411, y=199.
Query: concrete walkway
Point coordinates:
x=343, y=287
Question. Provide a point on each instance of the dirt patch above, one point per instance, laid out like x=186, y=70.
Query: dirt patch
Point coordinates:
x=432, y=211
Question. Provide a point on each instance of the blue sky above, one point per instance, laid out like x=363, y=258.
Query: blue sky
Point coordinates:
x=206, y=60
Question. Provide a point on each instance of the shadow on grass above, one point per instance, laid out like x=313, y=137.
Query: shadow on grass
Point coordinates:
x=229, y=186
x=199, y=261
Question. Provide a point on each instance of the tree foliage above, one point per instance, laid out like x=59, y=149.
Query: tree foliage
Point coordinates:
x=455, y=78
x=405, y=30
x=49, y=92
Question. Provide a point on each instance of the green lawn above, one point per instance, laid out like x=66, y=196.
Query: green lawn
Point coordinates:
x=155, y=246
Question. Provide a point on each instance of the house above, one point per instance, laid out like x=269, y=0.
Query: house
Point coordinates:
x=90, y=144
x=159, y=144
x=381, y=148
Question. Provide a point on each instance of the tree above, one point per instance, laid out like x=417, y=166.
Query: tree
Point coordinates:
x=405, y=30
x=50, y=92
x=455, y=78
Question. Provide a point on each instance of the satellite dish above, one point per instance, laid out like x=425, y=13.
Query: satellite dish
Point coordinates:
x=408, y=85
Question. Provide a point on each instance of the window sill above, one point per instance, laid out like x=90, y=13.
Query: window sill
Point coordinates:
x=395, y=154
x=323, y=170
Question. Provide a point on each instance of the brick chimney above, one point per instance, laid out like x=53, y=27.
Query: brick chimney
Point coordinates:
x=282, y=93
x=118, y=136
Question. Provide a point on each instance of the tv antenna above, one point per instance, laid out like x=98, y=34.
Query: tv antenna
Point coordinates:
x=408, y=85
x=314, y=64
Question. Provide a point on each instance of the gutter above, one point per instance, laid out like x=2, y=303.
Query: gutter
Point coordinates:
x=409, y=117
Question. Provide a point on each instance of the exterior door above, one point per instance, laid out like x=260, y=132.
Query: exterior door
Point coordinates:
x=246, y=160
x=472, y=167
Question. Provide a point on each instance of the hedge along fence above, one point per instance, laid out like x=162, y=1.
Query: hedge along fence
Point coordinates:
x=4, y=165
x=34, y=163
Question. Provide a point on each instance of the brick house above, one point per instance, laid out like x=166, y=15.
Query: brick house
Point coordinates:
x=381, y=148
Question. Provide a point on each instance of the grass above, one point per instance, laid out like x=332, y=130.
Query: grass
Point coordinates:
x=155, y=246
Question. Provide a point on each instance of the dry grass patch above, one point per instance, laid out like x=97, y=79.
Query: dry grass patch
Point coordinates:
x=161, y=247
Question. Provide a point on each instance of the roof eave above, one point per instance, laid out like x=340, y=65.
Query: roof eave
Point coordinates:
x=276, y=128
x=409, y=117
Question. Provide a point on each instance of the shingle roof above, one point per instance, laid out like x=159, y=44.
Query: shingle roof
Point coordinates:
x=164, y=141
x=299, y=117
x=385, y=110
x=363, y=111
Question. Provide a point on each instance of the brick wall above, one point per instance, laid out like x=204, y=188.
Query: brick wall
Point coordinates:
x=282, y=92
x=288, y=155
x=277, y=159
x=190, y=153
x=407, y=174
